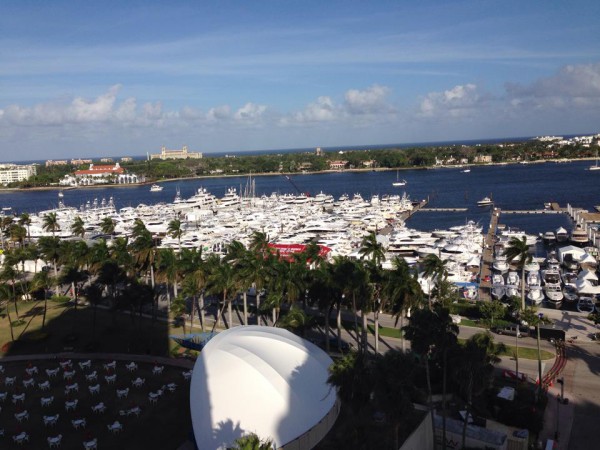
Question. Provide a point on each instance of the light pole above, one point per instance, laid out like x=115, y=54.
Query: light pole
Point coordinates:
x=540, y=316
x=557, y=433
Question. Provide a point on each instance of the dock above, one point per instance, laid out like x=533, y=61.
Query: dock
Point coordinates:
x=443, y=209
x=531, y=211
x=485, y=274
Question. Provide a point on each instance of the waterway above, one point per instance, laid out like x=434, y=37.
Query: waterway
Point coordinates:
x=512, y=187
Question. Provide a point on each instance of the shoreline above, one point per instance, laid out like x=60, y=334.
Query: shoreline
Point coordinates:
x=267, y=174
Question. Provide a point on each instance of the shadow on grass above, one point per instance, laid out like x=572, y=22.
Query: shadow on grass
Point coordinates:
x=85, y=330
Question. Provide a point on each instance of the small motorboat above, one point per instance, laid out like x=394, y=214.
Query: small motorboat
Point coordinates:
x=586, y=305
x=485, y=201
x=156, y=188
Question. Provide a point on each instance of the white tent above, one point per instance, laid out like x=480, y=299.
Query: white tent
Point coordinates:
x=263, y=380
x=585, y=287
x=586, y=258
x=587, y=275
x=576, y=252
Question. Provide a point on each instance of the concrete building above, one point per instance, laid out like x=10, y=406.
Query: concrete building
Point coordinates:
x=78, y=162
x=176, y=154
x=12, y=173
x=337, y=165
x=99, y=174
x=61, y=162
x=482, y=159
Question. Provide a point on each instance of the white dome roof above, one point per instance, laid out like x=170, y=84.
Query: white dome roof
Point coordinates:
x=258, y=379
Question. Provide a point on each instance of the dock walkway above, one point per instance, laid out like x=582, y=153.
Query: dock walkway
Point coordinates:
x=485, y=275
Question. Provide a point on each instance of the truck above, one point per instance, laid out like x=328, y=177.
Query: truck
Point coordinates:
x=551, y=332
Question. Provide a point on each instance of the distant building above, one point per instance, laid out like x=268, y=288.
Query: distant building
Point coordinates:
x=482, y=159
x=305, y=166
x=99, y=174
x=126, y=159
x=78, y=162
x=318, y=151
x=12, y=173
x=176, y=154
x=370, y=163
x=62, y=162
x=337, y=165
x=106, y=160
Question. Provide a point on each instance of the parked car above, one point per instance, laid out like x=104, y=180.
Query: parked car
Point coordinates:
x=512, y=330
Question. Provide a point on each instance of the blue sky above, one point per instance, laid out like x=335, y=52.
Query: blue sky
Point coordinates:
x=125, y=78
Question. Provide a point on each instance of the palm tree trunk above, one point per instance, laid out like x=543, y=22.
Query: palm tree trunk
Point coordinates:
x=229, y=315
x=339, y=324
x=12, y=335
x=365, y=344
x=245, y=308
x=402, y=340
x=191, y=315
x=257, y=308
x=376, y=321
x=45, y=308
x=517, y=352
x=202, y=311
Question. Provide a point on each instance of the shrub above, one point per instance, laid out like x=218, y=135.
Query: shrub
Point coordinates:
x=60, y=298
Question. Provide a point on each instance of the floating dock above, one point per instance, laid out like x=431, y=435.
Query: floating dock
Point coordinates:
x=443, y=209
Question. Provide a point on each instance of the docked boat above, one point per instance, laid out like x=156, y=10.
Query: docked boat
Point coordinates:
x=156, y=188
x=561, y=235
x=570, y=294
x=586, y=305
x=485, y=201
x=551, y=276
x=579, y=236
x=498, y=292
x=532, y=266
x=500, y=264
x=533, y=279
x=535, y=295
x=554, y=295
x=549, y=238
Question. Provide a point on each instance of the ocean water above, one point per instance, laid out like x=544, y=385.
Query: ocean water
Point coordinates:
x=512, y=187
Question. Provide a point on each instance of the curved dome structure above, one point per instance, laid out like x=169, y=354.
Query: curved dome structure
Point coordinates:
x=263, y=380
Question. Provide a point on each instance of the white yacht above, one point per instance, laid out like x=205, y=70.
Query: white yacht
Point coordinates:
x=532, y=266
x=485, y=201
x=533, y=279
x=500, y=263
x=554, y=295
x=561, y=234
x=535, y=295
x=513, y=278
x=398, y=181
x=579, y=236
x=156, y=188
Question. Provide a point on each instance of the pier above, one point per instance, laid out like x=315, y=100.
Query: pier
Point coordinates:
x=485, y=274
x=443, y=209
x=531, y=211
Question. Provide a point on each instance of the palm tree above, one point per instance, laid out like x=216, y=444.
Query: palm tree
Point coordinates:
x=167, y=270
x=9, y=274
x=107, y=226
x=474, y=368
x=25, y=221
x=50, y=251
x=402, y=290
x=431, y=333
x=519, y=250
x=93, y=294
x=42, y=280
x=5, y=224
x=252, y=442
x=51, y=223
x=78, y=227
x=222, y=281
x=175, y=231
x=6, y=296
x=435, y=268
x=17, y=233
x=178, y=309
x=194, y=273
x=143, y=249
x=120, y=252
x=371, y=248
x=73, y=276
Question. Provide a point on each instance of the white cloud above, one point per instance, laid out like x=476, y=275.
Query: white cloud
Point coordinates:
x=250, y=112
x=460, y=101
x=371, y=100
x=219, y=113
x=573, y=86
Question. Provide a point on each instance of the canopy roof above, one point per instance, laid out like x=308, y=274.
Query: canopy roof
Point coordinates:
x=258, y=379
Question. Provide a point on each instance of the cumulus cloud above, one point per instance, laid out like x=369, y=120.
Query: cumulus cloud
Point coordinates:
x=460, y=101
x=572, y=86
x=250, y=112
x=371, y=100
